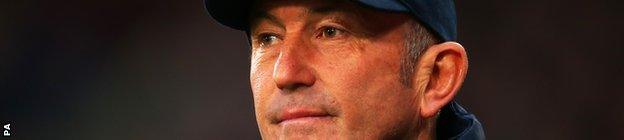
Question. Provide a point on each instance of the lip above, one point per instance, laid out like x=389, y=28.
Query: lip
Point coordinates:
x=301, y=114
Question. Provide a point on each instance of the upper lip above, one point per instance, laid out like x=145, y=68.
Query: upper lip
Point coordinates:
x=295, y=113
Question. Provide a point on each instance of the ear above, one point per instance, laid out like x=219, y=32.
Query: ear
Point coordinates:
x=439, y=74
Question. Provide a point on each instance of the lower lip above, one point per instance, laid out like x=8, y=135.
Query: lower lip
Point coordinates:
x=306, y=121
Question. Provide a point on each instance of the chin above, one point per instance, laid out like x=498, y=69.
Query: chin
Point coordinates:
x=306, y=128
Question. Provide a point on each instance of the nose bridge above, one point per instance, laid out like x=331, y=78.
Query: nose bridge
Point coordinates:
x=292, y=69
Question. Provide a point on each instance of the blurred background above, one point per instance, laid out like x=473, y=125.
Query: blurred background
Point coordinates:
x=163, y=69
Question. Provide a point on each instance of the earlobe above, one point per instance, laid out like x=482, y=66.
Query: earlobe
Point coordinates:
x=441, y=72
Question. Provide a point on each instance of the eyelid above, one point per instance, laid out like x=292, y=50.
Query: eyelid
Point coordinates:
x=321, y=29
x=262, y=34
x=335, y=21
x=331, y=23
x=262, y=31
x=257, y=36
x=259, y=42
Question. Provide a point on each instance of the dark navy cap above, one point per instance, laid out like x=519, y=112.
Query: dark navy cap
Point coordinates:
x=437, y=15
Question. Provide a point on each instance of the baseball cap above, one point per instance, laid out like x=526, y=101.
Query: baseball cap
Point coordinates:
x=437, y=15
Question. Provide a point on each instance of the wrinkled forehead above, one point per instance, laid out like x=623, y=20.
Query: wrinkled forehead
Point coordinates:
x=263, y=8
x=352, y=11
x=268, y=4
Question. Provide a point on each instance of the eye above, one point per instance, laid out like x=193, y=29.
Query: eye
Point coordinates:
x=330, y=32
x=267, y=39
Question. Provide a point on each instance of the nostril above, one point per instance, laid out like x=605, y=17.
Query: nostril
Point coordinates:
x=294, y=87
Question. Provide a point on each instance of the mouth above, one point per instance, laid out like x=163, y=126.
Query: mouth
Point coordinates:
x=302, y=115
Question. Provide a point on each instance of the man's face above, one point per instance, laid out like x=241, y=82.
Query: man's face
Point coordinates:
x=329, y=69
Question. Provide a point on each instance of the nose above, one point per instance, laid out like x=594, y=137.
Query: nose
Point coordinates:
x=291, y=69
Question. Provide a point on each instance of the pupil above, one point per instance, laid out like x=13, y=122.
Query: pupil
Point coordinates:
x=268, y=38
x=330, y=31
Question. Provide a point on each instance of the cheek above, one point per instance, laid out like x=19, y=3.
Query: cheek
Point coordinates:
x=260, y=77
x=367, y=87
x=261, y=72
x=262, y=89
x=259, y=87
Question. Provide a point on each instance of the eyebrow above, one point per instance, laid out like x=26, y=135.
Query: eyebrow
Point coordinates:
x=324, y=10
x=261, y=14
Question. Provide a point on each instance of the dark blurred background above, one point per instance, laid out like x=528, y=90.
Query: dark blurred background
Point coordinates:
x=162, y=69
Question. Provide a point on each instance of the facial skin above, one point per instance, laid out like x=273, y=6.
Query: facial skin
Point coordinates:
x=331, y=70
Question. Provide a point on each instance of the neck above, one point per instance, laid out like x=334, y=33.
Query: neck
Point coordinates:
x=427, y=129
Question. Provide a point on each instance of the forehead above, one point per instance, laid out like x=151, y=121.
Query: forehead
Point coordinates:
x=354, y=13
x=270, y=4
x=346, y=10
x=267, y=7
